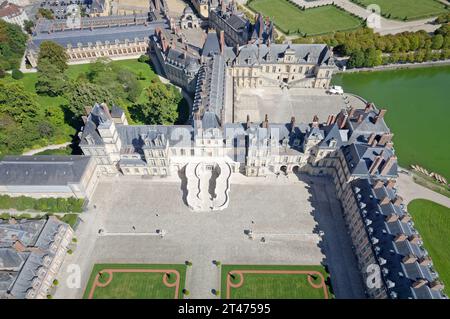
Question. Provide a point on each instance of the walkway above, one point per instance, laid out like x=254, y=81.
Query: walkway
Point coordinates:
x=45, y=148
x=409, y=190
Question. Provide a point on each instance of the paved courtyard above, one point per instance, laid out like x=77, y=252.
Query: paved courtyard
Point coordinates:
x=280, y=105
x=287, y=212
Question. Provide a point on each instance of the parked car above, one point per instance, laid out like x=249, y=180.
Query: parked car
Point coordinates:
x=336, y=90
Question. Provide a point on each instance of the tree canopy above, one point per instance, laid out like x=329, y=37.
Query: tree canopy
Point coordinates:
x=12, y=45
x=161, y=106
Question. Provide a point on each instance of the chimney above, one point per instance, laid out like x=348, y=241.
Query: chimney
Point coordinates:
x=400, y=237
x=157, y=5
x=398, y=201
x=378, y=184
x=343, y=121
x=292, y=123
x=388, y=165
x=330, y=119
x=391, y=184
x=351, y=114
x=389, y=145
x=265, y=124
x=424, y=261
x=419, y=283
x=248, y=121
x=360, y=118
x=391, y=218
x=18, y=246
x=371, y=138
x=385, y=200
x=380, y=115
x=369, y=107
x=385, y=138
x=437, y=285
x=87, y=109
x=222, y=42
x=84, y=118
x=315, y=121
x=409, y=259
x=12, y=221
x=106, y=109
x=405, y=218
x=414, y=239
x=375, y=164
x=222, y=6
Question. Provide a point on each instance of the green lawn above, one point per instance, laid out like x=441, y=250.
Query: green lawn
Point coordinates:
x=136, y=285
x=273, y=286
x=411, y=9
x=321, y=20
x=433, y=223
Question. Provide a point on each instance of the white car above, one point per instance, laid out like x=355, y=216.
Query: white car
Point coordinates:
x=336, y=89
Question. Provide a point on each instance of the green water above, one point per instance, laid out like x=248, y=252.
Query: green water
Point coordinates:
x=418, y=103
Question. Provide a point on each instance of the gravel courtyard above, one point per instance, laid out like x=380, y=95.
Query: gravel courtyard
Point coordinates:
x=288, y=213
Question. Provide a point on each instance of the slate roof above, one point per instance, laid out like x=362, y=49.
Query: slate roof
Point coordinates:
x=27, y=231
x=397, y=275
x=251, y=54
x=43, y=169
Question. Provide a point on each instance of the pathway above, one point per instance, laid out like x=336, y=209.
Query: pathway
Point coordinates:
x=45, y=148
x=409, y=190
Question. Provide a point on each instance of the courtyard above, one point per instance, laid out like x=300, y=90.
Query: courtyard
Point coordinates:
x=289, y=213
x=281, y=104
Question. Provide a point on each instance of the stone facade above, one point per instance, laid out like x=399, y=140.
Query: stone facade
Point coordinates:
x=13, y=13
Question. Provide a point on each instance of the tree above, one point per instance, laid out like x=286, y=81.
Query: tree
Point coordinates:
x=50, y=80
x=437, y=42
x=45, y=13
x=12, y=45
x=53, y=53
x=356, y=60
x=16, y=102
x=28, y=26
x=16, y=74
x=161, y=105
x=83, y=93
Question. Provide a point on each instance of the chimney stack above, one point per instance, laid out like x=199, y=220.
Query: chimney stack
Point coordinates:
x=330, y=119
x=414, y=239
x=292, y=123
x=437, y=285
x=351, y=112
x=424, y=261
x=18, y=246
x=388, y=165
x=385, y=201
x=400, y=237
x=378, y=184
x=106, y=110
x=371, y=138
x=419, y=283
x=385, y=138
x=248, y=121
x=88, y=109
x=409, y=259
x=265, y=124
x=391, y=218
x=222, y=42
x=397, y=201
x=360, y=118
x=315, y=121
x=375, y=164
x=380, y=115
x=391, y=184
x=369, y=107
x=405, y=218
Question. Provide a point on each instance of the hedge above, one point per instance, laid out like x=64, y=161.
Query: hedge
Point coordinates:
x=52, y=205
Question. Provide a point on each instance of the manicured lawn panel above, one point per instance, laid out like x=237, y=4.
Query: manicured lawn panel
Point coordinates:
x=412, y=9
x=273, y=286
x=312, y=21
x=136, y=285
x=433, y=223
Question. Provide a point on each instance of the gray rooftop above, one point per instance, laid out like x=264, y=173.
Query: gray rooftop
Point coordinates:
x=42, y=170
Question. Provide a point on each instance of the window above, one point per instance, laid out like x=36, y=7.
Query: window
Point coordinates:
x=183, y=152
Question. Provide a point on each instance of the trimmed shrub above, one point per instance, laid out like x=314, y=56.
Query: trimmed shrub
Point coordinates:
x=16, y=74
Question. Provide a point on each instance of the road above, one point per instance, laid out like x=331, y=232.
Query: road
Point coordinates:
x=409, y=190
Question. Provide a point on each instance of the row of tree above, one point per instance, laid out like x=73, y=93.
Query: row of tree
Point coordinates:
x=367, y=48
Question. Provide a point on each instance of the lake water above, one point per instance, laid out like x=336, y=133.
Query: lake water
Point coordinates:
x=418, y=103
